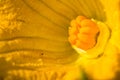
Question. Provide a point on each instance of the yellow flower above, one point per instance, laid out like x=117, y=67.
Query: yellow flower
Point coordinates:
x=34, y=40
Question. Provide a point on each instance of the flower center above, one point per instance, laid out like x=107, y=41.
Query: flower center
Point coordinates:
x=83, y=33
x=88, y=37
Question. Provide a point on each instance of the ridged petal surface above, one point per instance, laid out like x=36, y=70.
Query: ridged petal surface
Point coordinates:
x=34, y=36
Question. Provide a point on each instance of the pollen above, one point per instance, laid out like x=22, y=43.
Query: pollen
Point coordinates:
x=83, y=32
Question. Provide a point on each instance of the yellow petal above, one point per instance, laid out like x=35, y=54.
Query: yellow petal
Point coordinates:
x=113, y=20
x=34, y=34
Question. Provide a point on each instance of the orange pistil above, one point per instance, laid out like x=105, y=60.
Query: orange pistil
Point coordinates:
x=82, y=33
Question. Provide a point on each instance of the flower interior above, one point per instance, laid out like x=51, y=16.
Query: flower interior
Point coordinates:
x=83, y=33
x=88, y=36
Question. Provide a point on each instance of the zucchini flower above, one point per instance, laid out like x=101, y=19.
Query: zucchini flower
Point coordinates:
x=59, y=39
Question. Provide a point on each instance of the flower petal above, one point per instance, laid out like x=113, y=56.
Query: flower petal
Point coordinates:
x=113, y=20
x=42, y=25
x=37, y=30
